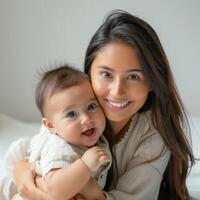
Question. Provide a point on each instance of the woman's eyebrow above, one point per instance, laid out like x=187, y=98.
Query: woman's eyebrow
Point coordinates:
x=128, y=71
x=105, y=67
x=135, y=70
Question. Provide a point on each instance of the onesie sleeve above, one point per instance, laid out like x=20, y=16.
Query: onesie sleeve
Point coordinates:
x=17, y=151
x=20, y=150
x=55, y=154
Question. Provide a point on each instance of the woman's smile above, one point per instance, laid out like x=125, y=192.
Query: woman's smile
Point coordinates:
x=116, y=105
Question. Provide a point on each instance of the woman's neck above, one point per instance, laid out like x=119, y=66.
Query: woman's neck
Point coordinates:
x=119, y=127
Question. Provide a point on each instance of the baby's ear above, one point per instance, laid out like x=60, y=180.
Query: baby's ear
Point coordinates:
x=48, y=124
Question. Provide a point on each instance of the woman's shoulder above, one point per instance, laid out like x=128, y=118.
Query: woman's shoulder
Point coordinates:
x=152, y=141
x=146, y=126
x=142, y=122
x=142, y=141
x=146, y=116
x=140, y=126
x=142, y=131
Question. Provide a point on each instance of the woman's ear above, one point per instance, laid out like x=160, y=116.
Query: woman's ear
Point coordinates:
x=48, y=124
x=150, y=89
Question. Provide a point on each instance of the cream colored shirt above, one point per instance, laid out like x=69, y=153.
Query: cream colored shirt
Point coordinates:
x=141, y=143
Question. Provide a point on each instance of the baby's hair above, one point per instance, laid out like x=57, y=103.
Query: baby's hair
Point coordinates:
x=56, y=80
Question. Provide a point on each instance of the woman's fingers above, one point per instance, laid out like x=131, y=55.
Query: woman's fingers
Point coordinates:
x=33, y=194
x=79, y=197
x=39, y=194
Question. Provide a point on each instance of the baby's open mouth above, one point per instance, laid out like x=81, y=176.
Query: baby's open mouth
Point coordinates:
x=89, y=132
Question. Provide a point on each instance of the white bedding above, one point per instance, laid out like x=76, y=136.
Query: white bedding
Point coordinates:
x=11, y=129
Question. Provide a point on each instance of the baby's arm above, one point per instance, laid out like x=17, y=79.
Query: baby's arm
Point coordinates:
x=67, y=182
x=92, y=191
x=64, y=183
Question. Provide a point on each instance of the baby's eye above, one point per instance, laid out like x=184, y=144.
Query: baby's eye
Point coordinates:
x=106, y=74
x=92, y=106
x=133, y=77
x=71, y=114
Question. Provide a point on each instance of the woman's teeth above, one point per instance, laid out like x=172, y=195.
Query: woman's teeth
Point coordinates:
x=117, y=104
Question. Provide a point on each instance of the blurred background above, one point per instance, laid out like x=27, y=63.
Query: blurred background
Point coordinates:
x=38, y=34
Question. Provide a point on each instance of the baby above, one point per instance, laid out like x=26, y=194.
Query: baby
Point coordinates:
x=72, y=148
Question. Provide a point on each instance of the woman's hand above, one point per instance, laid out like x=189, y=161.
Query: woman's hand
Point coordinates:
x=25, y=181
x=79, y=197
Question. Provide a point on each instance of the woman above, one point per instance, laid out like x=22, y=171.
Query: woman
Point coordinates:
x=131, y=78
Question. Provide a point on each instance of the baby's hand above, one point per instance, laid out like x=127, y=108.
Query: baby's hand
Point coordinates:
x=95, y=157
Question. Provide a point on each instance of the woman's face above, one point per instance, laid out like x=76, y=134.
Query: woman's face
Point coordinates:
x=118, y=81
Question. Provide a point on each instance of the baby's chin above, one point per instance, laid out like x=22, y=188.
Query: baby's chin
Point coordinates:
x=90, y=137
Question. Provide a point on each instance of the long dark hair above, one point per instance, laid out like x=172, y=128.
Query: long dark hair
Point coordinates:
x=168, y=114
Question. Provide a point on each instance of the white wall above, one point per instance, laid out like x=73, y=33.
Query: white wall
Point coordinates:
x=37, y=33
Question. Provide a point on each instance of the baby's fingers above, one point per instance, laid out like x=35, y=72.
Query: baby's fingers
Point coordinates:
x=104, y=159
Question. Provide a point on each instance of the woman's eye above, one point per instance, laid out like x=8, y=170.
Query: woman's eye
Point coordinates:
x=92, y=106
x=133, y=77
x=71, y=114
x=106, y=74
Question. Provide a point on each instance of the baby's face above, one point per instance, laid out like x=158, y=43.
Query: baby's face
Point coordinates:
x=76, y=115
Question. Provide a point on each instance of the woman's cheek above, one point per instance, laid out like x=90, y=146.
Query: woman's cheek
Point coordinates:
x=99, y=87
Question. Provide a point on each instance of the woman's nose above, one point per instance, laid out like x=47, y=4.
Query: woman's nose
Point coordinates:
x=117, y=89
